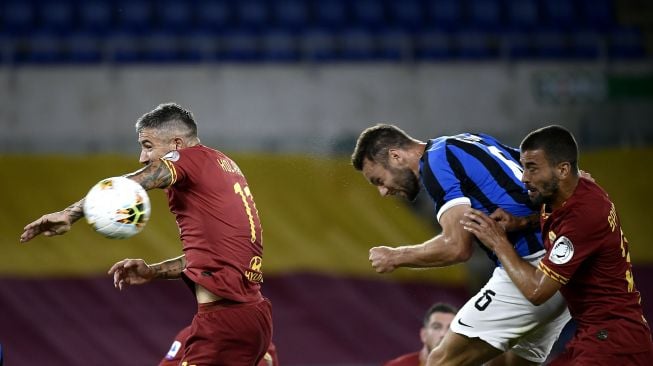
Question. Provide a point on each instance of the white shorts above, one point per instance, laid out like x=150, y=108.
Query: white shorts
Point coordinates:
x=502, y=317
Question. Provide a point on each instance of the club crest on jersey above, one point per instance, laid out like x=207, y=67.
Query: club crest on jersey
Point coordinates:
x=171, y=156
x=562, y=251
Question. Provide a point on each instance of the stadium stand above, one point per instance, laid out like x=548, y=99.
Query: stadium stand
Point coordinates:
x=71, y=31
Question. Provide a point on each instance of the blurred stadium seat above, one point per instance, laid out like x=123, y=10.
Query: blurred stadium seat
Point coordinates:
x=56, y=15
x=521, y=14
x=83, y=47
x=279, y=45
x=95, y=15
x=317, y=30
x=445, y=14
x=19, y=16
x=291, y=14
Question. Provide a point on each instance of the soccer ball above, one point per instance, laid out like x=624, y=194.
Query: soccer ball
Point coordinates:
x=117, y=207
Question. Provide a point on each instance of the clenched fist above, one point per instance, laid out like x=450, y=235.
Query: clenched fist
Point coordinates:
x=382, y=259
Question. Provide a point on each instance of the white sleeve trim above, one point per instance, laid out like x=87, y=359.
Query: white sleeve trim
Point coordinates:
x=450, y=204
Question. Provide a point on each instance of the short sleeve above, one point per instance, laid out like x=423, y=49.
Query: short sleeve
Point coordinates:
x=177, y=162
x=441, y=182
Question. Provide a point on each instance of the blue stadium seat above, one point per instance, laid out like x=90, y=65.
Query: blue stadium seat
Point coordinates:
x=291, y=14
x=472, y=44
x=357, y=44
x=280, y=45
x=522, y=14
x=95, y=15
x=134, y=15
x=407, y=14
x=368, y=13
x=445, y=14
x=559, y=13
x=597, y=14
x=199, y=45
x=56, y=15
x=42, y=47
x=484, y=14
x=586, y=44
x=176, y=15
x=19, y=16
x=161, y=46
x=319, y=44
x=214, y=15
x=551, y=44
x=252, y=14
x=433, y=44
x=330, y=13
x=625, y=43
x=394, y=44
x=123, y=47
x=83, y=47
x=516, y=45
x=240, y=45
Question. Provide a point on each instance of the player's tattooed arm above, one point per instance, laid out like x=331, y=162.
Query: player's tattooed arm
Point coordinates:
x=169, y=269
x=75, y=211
x=154, y=175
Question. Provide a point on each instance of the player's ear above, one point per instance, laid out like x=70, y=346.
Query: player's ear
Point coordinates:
x=178, y=142
x=394, y=155
x=563, y=169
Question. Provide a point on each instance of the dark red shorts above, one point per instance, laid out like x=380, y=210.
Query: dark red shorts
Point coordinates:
x=577, y=357
x=229, y=333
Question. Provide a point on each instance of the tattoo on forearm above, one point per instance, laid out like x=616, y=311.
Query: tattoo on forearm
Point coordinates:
x=154, y=175
x=75, y=211
x=170, y=269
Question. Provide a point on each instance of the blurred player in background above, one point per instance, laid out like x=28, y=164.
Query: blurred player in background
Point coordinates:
x=587, y=255
x=221, y=235
x=173, y=357
x=459, y=172
x=435, y=325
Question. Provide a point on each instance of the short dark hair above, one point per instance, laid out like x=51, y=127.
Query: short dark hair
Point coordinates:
x=557, y=143
x=168, y=115
x=439, y=307
x=374, y=143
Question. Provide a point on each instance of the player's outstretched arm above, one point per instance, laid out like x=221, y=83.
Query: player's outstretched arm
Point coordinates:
x=453, y=245
x=533, y=283
x=56, y=223
x=154, y=175
x=137, y=271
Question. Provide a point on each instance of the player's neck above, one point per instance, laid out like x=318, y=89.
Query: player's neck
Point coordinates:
x=567, y=188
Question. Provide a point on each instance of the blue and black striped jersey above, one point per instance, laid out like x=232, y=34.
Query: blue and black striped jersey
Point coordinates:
x=478, y=170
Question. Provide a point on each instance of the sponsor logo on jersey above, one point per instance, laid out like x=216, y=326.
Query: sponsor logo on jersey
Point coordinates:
x=176, y=346
x=254, y=274
x=562, y=251
x=171, y=156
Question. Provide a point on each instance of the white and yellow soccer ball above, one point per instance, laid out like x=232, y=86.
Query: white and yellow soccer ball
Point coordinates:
x=117, y=207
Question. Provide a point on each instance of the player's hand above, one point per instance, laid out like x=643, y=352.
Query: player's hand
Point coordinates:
x=382, y=259
x=487, y=230
x=56, y=223
x=131, y=272
x=507, y=221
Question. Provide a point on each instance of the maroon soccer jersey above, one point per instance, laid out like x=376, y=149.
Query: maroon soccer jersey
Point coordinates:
x=410, y=359
x=588, y=254
x=218, y=222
